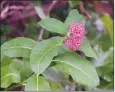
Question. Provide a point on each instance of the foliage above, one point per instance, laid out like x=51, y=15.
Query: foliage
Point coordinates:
x=41, y=54
x=108, y=24
x=47, y=64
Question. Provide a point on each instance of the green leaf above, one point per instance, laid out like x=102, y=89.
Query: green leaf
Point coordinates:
x=87, y=49
x=8, y=76
x=81, y=70
x=64, y=76
x=54, y=74
x=55, y=86
x=108, y=22
x=106, y=71
x=18, y=47
x=37, y=83
x=43, y=52
x=17, y=64
x=23, y=67
x=110, y=85
x=73, y=16
x=6, y=61
x=104, y=64
x=106, y=85
x=2, y=56
x=25, y=72
x=105, y=42
x=53, y=25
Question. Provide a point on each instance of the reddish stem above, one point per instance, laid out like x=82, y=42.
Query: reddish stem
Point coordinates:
x=83, y=10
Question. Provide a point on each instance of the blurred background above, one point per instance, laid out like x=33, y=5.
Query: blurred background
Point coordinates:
x=19, y=18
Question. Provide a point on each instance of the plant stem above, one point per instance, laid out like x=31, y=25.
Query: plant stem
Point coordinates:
x=47, y=14
x=40, y=34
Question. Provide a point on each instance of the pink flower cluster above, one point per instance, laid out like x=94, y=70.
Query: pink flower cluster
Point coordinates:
x=77, y=31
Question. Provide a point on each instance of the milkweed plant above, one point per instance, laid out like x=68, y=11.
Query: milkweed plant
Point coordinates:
x=48, y=64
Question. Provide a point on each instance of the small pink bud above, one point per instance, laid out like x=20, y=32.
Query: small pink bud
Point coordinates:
x=74, y=41
x=77, y=30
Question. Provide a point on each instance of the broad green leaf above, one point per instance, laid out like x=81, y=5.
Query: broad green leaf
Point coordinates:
x=43, y=52
x=54, y=74
x=6, y=60
x=25, y=72
x=17, y=64
x=63, y=49
x=63, y=74
x=53, y=25
x=73, y=16
x=23, y=68
x=81, y=70
x=37, y=83
x=55, y=86
x=18, y=47
x=8, y=76
x=2, y=56
x=87, y=49
x=108, y=22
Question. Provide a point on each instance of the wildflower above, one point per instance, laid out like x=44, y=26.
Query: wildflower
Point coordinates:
x=74, y=41
x=77, y=30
